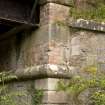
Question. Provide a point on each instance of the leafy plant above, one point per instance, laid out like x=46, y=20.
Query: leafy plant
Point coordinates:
x=92, y=80
x=6, y=97
x=37, y=97
x=98, y=98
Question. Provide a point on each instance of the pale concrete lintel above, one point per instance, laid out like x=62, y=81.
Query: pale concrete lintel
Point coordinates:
x=44, y=71
x=87, y=24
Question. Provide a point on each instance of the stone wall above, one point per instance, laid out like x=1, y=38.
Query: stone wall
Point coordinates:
x=41, y=57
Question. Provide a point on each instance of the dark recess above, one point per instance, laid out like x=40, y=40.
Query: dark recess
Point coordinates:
x=14, y=13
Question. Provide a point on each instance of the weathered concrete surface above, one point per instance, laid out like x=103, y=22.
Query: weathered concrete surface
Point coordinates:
x=44, y=71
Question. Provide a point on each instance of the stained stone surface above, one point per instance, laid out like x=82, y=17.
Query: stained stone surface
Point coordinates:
x=22, y=92
x=87, y=24
x=52, y=51
x=49, y=13
x=26, y=91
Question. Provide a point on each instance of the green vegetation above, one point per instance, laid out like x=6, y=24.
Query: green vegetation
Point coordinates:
x=6, y=98
x=9, y=98
x=37, y=97
x=78, y=84
x=95, y=10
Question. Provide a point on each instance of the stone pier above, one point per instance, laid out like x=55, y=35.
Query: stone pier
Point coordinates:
x=40, y=58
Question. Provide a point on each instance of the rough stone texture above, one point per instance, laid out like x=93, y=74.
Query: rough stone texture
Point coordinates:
x=53, y=97
x=86, y=48
x=53, y=43
x=44, y=71
x=62, y=45
x=34, y=48
x=53, y=51
x=87, y=24
x=47, y=45
x=22, y=51
x=25, y=89
x=39, y=47
x=48, y=48
x=49, y=13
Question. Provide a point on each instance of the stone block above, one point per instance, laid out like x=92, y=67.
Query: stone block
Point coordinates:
x=87, y=24
x=22, y=92
x=46, y=84
x=53, y=97
x=49, y=13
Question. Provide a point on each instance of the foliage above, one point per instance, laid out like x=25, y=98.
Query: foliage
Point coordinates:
x=37, y=97
x=98, y=98
x=6, y=97
x=78, y=84
x=97, y=12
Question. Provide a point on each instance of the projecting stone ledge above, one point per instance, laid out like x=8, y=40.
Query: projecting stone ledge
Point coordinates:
x=87, y=24
x=44, y=71
x=63, y=2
